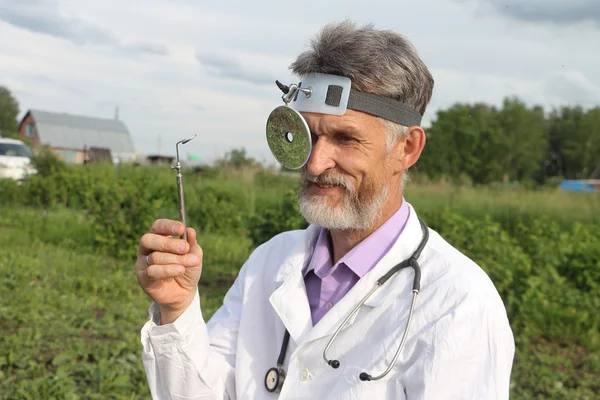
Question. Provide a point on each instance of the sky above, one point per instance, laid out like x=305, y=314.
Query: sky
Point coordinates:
x=182, y=67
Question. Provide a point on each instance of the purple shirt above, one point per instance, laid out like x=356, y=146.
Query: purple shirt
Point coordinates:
x=327, y=284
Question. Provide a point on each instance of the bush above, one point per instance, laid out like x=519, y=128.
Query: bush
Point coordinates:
x=122, y=211
x=581, y=264
x=269, y=221
x=546, y=270
x=47, y=163
x=542, y=271
x=215, y=208
x=492, y=248
x=268, y=180
x=9, y=192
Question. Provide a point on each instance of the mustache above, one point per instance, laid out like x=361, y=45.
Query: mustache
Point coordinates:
x=330, y=178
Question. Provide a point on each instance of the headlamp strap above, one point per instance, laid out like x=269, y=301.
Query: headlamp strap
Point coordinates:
x=383, y=107
x=333, y=94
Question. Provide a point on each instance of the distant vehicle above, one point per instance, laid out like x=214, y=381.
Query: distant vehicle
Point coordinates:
x=15, y=159
x=581, y=185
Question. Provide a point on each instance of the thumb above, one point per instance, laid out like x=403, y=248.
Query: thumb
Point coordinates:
x=194, y=246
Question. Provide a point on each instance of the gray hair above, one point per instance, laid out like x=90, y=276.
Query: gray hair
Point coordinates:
x=378, y=61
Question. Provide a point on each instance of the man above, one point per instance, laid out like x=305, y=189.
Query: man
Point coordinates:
x=292, y=294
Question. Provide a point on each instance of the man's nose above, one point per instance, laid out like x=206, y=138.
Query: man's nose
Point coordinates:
x=321, y=158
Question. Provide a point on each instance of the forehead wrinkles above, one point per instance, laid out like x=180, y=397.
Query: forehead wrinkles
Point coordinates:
x=320, y=124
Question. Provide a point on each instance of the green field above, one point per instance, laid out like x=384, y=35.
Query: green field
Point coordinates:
x=71, y=308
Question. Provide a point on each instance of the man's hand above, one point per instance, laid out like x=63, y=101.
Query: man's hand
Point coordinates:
x=169, y=269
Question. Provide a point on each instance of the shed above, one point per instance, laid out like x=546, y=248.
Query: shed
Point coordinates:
x=70, y=136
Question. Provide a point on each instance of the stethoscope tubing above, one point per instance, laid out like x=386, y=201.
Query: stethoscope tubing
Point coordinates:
x=410, y=262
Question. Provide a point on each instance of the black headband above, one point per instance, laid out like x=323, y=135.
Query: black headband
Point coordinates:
x=379, y=106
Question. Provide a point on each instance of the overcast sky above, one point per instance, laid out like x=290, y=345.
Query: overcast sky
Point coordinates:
x=182, y=67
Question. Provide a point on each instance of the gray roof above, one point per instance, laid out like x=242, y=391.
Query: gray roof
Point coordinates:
x=76, y=132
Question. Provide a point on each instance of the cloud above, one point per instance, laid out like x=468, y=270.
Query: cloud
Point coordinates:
x=156, y=49
x=571, y=87
x=561, y=12
x=44, y=16
x=214, y=64
x=42, y=79
x=559, y=87
x=197, y=107
x=229, y=68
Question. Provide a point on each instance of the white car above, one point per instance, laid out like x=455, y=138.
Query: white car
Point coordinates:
x=15, y=159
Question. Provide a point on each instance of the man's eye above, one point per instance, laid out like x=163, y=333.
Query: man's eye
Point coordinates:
x=345, y=138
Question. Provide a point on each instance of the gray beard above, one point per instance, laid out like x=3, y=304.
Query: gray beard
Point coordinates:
x=353, y=214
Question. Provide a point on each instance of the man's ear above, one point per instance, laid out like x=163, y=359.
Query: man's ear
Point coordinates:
x=413, y=146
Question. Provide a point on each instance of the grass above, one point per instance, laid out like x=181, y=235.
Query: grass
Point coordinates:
x=505, y=203
x=68, y=319
x=70, y=316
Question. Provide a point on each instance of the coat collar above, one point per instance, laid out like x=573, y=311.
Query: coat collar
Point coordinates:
x=290, y=300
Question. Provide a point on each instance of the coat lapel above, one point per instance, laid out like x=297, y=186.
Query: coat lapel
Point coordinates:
x=290, y=301
x=402, y=249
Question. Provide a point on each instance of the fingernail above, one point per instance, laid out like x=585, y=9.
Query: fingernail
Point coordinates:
x=176, y=228
x=181, y=247
x=194, y=259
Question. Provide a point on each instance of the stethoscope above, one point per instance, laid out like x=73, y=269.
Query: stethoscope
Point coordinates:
x=276, y=376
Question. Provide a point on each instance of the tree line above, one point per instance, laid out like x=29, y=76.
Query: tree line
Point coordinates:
x=513, y=142
x=482, y=142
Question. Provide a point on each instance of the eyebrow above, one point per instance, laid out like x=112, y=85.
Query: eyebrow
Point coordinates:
x=347, y=129
x=344, y=128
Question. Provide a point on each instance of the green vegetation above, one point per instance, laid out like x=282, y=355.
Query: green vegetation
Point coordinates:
x=70, y=316
x=71, y=309
x=9, y=109
x=484, y=144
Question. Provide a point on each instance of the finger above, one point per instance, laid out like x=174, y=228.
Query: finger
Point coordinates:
x=158, y=272
x=193, y=243
x=141, y=263
x=160, y=258
x=151, y=242
x=167, y=227
x=191, y=237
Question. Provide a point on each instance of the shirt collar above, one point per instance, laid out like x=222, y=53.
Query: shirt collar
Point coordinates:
x=365, y=255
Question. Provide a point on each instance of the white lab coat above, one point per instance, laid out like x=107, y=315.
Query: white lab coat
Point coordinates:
x=460, y=345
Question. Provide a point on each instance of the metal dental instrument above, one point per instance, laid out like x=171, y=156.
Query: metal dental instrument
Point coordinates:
x=177, y=166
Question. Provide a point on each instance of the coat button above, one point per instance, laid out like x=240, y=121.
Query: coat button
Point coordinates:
x=305, y=374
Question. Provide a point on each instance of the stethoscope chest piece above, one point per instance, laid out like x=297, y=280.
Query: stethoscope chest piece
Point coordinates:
x=274, y=379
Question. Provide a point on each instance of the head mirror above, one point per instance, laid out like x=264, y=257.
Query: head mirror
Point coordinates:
x=289, y=137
